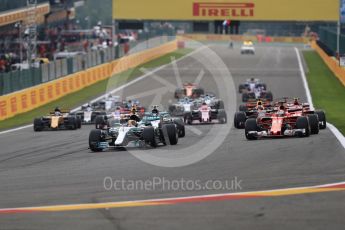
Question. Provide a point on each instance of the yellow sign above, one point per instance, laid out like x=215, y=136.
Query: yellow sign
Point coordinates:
x=251, y=10
x=21, y=15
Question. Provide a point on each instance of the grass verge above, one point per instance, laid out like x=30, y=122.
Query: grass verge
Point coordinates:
x=83, y=96
x=327, y=91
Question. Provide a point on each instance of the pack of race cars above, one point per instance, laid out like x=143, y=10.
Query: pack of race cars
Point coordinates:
x=261, y=116
x=121, y=123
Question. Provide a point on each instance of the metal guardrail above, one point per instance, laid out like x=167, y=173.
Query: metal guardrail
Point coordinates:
x=328, y=36
x=18, y=80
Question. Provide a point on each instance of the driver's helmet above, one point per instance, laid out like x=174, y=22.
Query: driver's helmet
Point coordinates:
x=252, y=79
x=259, y=104
x=57, y=109
x=295, y=101
x=132, y=123
x=133, y=110
x=155, y=110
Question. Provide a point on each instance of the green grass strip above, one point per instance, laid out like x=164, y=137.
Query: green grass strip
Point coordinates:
x=83, y=96
x=327, y=91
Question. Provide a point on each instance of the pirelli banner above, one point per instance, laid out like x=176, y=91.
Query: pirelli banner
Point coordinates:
x=251, y=10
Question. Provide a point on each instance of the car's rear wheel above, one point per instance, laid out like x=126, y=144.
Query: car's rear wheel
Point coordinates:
x=241, y=88
x=322, y=119
x=221, y=104
x=100, y=122
x=188, y=119
x=240, y=120
x=172, y=109
x=303, y=123
x=72, y=123
x=269, y=96
x=245, y=97
x=179, y=93
x=78, y=122
x=314, y=123
x=180, y=127
x=222, y=118
x=243, y=108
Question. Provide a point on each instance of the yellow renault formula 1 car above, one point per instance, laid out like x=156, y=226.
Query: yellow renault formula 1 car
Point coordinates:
x=57, y=120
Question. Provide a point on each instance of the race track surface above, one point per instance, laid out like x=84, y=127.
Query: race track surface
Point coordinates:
x=53, y=168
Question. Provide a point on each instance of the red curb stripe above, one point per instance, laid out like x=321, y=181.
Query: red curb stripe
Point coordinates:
x=335, y=186
x=17, y=211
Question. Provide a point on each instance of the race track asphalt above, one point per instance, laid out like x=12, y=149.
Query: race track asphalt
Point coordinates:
x=52, y=168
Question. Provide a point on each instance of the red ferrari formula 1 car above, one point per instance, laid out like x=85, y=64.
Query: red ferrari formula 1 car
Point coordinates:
x=250, y=110
x=281, y=123
x=295, y=106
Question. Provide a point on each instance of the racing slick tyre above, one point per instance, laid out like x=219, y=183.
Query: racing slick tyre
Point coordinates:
x=100, y=122
x=263, y=85
x=179, y=93
x=245, y=97
x=241, y=88
x=78, y=122
x=221, y=104
x=243, y=108
x=198, y=92
x=149, y=136
x=240, y=120
x=188, y=119
x=38, y=126
x=170, y=131
x=322, y=119
x=314, y=123
x=269, y=96
x=72, y=123
x=251, y=125
x=251, y=95
x=303, y=123
x=172, y=109
x=181, y=131
x=222, y=118
x=95, y=137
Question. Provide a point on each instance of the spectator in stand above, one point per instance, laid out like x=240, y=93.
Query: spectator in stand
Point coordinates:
x=86, y=45
x=2, y=65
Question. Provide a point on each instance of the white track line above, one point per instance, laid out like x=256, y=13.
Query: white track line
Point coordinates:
x=16, y=129
x=333, y=129
x=148, y=73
